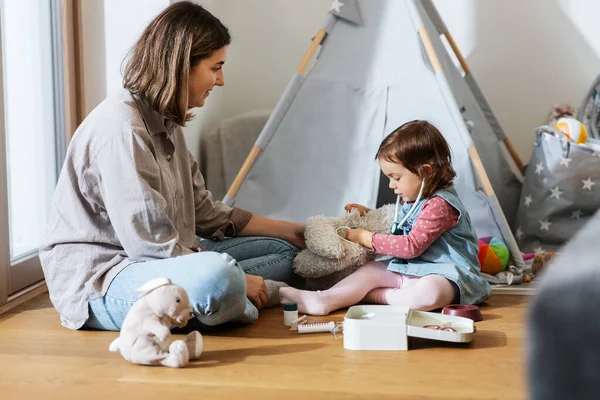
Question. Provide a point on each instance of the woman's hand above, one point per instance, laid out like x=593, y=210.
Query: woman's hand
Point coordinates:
x=256, y=290
x=296, y=235
x=361, y=209
x=360, y=236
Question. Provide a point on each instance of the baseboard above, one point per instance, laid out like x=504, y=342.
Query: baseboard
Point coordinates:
x=522, y=289
x=24, y=295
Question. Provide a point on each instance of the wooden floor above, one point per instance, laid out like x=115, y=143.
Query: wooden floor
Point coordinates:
x=41, y=360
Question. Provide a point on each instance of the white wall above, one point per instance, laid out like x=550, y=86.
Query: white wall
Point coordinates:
x=526, y=54
x=110, y=28
x=124, y=23
x=268, y=43
x=94, y=50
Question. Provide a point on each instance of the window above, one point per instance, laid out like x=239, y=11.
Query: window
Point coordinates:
x=32, y=134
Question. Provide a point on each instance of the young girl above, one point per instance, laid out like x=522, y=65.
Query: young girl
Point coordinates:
x=432, y=243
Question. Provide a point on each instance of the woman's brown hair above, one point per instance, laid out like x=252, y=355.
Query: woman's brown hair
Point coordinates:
x=159, y=64
x=415, y=145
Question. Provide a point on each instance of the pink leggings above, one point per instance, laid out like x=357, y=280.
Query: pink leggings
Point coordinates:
x=419, y=293
x=375, y=284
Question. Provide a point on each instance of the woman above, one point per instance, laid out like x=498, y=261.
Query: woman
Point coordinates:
x=130, y=199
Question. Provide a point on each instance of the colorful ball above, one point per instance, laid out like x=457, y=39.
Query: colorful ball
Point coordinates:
x=574, y=130
x=493, y=255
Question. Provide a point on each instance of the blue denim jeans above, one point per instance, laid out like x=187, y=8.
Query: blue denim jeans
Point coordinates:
x=215, y=284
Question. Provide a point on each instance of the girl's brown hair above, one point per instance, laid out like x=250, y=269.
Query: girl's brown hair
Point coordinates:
x=159, y=64
x=415, y=145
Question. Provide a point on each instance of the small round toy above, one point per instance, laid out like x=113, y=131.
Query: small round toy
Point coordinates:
x=574, y=130
x=493, y=255
x=463, y=310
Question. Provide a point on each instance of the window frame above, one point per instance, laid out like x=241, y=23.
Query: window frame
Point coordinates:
x=25, y=274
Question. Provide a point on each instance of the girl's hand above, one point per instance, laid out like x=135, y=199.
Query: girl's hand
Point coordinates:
x=362, y=210
x=361, y=236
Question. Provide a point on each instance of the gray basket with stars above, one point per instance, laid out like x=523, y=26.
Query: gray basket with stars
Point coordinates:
x=561, y=191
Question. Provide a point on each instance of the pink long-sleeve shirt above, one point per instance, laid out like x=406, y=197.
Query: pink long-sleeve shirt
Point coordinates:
x=437, y=216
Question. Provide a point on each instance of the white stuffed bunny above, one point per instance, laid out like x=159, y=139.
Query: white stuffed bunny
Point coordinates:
x=146, y=332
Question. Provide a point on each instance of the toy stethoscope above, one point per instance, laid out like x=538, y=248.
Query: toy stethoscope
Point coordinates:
x=396, y=228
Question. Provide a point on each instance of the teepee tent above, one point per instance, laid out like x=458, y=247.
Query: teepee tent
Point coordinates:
x=379, y=64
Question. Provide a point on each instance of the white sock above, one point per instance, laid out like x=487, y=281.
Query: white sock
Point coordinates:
x=273, y=289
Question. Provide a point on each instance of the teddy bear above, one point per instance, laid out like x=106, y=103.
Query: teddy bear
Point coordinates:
x=145, y=336
x=329, y=257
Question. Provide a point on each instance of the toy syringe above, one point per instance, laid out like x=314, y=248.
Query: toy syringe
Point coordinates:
x=314, y=328
x=301, y=326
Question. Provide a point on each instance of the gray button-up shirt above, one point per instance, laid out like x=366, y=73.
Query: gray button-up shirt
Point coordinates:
x=129, y=191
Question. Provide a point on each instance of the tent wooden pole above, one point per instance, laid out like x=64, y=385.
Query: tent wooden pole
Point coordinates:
x=485, y=181
x=433, y=58
x=311, y=51
x=461, y=59
x=514, y=154
x=489, y=191
x=243, y=172
x=465, y=67
x=255, y=152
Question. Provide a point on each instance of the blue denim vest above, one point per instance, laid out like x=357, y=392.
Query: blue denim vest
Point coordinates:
x=453, y=255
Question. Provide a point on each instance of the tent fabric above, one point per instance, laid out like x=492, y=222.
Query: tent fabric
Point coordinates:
x=367, y=80
x=222, y=149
